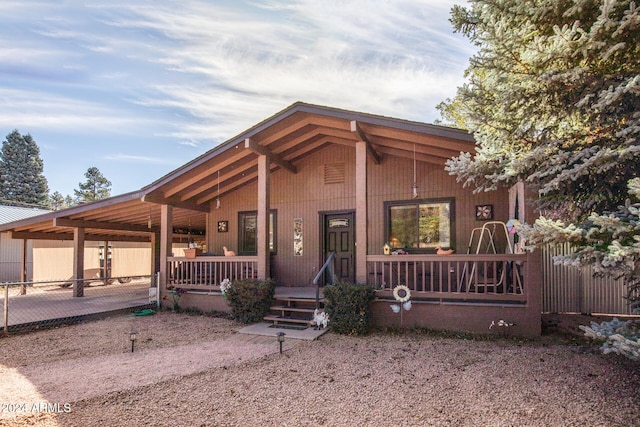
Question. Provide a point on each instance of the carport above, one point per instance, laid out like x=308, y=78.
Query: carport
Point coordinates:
x=125, y=218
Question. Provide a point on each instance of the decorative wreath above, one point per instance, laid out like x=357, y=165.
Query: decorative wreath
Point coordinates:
x=396, y=293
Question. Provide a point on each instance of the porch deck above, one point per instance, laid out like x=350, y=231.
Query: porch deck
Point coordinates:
x=480, y=279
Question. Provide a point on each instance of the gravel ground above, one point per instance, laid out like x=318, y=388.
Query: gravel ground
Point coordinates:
x=197, y=371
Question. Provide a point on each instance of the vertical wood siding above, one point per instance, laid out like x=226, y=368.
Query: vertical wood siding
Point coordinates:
x=574, y=290
x=305, y=194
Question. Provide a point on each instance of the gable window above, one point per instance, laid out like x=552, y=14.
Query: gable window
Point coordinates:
x=248, y=232
x=420, y=226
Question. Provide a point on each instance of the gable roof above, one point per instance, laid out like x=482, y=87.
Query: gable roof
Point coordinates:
x=296, y=132
x=293, y=133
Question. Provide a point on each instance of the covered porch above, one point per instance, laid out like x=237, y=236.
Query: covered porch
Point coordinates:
x=480, y=279
x=273, y=193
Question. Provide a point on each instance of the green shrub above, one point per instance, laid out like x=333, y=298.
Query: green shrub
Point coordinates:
x=250, y=299
x=347, y=305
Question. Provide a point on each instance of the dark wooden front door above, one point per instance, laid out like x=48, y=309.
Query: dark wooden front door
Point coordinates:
x=339, y=233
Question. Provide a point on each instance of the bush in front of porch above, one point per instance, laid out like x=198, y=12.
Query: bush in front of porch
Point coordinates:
x=250, y=299
x=348, y=307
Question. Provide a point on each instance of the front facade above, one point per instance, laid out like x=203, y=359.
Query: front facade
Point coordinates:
x=311, y=181
x=355, y=184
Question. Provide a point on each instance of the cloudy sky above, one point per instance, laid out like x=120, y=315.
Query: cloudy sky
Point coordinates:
x=138, y=88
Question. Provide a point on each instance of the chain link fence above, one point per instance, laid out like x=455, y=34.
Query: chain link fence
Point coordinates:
x=29, y=305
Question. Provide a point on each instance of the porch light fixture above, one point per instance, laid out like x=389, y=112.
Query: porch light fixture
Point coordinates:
x=280, y=336
x=133, y=335
x=414, y=187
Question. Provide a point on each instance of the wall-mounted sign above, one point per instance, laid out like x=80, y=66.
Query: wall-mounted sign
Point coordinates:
x=297, y=237
x=339, y=223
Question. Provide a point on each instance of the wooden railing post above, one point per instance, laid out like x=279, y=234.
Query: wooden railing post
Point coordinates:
x=5, y=309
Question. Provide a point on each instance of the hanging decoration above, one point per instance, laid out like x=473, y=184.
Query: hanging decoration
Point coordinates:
x=218, y=198
x=297, y=237
x=414, y=187
x=512, y=226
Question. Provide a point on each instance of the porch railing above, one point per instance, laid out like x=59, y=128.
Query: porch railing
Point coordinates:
x=327, y=267
x=206, y=272
x=497, y=278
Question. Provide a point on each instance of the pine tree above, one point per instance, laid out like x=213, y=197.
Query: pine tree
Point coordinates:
x=21, y=171
x=553, y=96
x=56, y=201
x=553, y=99
x=96, y=187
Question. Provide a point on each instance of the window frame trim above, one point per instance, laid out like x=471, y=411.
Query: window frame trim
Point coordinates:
x=272, y=212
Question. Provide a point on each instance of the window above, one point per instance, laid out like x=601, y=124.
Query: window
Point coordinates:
x=248, y=232
x=420, y=226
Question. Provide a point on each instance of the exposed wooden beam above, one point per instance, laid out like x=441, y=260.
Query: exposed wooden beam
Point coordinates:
x=405, y=136
x=176, y=202
x=69, y=236
x=440, y=161
x=213, y=184
x=356, y=129
x=237, y=182
x=260, y=150
x=64, y=222
x=283, y=131
x=109, y=211
x=311, y=145
x=208, y=170
x=330, y=122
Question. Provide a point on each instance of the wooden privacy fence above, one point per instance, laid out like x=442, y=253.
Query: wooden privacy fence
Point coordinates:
x=574, y=290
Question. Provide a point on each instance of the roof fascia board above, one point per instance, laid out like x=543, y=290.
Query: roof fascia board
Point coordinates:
x=75, y=223
x=74, y=210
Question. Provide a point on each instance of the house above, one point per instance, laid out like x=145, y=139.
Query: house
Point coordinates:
x=312, y=182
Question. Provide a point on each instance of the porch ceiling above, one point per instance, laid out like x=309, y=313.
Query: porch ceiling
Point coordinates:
x=286, y=137
x=120, y=218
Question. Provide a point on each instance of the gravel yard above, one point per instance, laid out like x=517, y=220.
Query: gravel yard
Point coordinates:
x=197, y=371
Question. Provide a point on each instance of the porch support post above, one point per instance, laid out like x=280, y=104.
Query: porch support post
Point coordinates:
x=533, y=270
x=361, y=212
x=263, y=217
x=166, y=237
x=155, y=253
x=78, y=261
x=105, y=263
x=23, y=267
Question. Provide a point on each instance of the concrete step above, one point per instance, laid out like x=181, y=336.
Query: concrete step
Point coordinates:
x=299, y=299
x=296, y=309
x=284, y=320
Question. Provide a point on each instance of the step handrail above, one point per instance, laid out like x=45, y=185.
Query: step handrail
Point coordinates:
x=316, y=281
